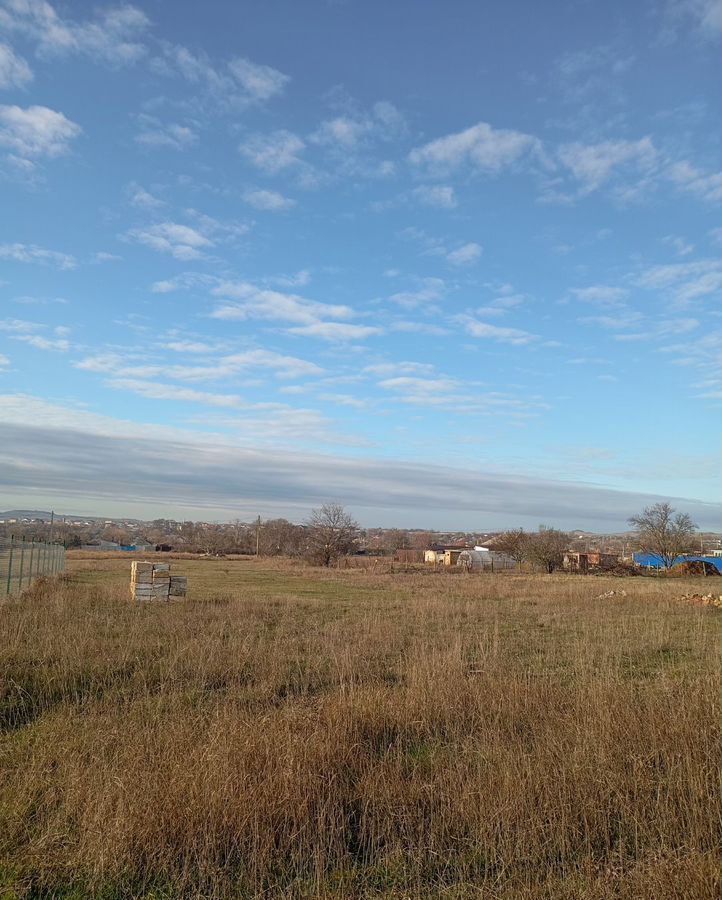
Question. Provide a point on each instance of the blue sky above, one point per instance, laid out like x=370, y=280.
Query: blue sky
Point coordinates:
x=453, y=265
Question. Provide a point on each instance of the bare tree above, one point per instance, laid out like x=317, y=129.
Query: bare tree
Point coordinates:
x=332, y=532
x=661, y=532
x=547, y=547
x=280, y=537
x=515, y=543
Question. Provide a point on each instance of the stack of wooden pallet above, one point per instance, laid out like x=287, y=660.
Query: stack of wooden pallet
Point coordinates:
x=178, y=585
x=153, y=581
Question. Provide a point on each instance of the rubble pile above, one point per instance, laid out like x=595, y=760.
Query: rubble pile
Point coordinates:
x=703, y=599
x=607, y=594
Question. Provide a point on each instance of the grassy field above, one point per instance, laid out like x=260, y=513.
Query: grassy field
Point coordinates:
x=293, y=732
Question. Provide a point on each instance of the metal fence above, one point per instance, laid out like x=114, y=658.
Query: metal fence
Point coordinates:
x=22, y=561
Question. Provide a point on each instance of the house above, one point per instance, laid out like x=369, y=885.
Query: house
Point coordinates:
x=592, y=559
x=101, y=545
x=447, y=554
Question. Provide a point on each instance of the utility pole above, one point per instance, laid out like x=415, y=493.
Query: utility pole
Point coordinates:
x=258, y=534
x=52, y=522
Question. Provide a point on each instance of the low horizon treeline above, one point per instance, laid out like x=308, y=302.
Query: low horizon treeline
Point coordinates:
x=279, y=537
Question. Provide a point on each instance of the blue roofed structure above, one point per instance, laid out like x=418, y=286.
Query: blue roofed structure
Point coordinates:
x=652, y=561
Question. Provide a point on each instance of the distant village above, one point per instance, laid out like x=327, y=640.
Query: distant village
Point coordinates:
x=583, y=551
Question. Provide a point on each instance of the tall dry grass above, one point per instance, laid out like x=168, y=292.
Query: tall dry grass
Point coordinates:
x=288, y=733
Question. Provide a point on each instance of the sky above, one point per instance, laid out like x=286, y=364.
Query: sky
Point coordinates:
x=451, y=265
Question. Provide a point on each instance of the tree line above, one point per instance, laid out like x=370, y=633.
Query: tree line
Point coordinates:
x=331, y=531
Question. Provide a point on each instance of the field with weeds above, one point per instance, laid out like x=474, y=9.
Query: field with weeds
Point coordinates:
x=295, y=732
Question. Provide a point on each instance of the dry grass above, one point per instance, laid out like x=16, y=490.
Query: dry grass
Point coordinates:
x=288, y=732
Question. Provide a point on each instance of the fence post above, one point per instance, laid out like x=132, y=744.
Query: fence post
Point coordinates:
x=32, y=555
x=10, y=563
x=22, y=564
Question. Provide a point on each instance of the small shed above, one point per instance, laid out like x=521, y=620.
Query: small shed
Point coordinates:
x=592, y=559
x=451, y=557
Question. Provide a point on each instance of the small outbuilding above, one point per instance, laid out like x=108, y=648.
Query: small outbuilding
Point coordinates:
x=446, y=554
x=592, y=559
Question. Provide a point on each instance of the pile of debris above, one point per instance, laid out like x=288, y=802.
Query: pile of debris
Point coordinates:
x=703, y=599
x=693, y=567
x=153, y=581
x=607, y=594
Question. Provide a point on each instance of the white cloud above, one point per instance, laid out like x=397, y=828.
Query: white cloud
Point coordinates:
x=594, y=164
x=465, y=256
x=601, y=295
x=155, y=133
x=344, y=400
x=500, y=306
x=345, y=132
x=252, y=302
x=686, y=282
x=681, y=246
x=270, y=201
x=416, y=386
x=389, y=116
x=188, y=347
x=272, y=152
x=395, y=369
x=19, y=326
x=113, y=36
x=483, y=147
x=414, y=327
x=258, y=81
x=103, y=257
x=154, y=391
x=441, y=196
x=4, y=361
x=702, y=354
x=27, y=300
x=184, y=281
x=620, y=321
x=181, y=241
x=143, y=199
x=703, y=16
x=237, y=84
x=30, y=253
x=298, y=279
x=580, y=73
x=431, y=290
x=337, y=331
x=36, y=131
x=14, y=71
x=514, y=336
x=677, y=325
x=692, y=180
x=224, y=367
x=59, y=345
